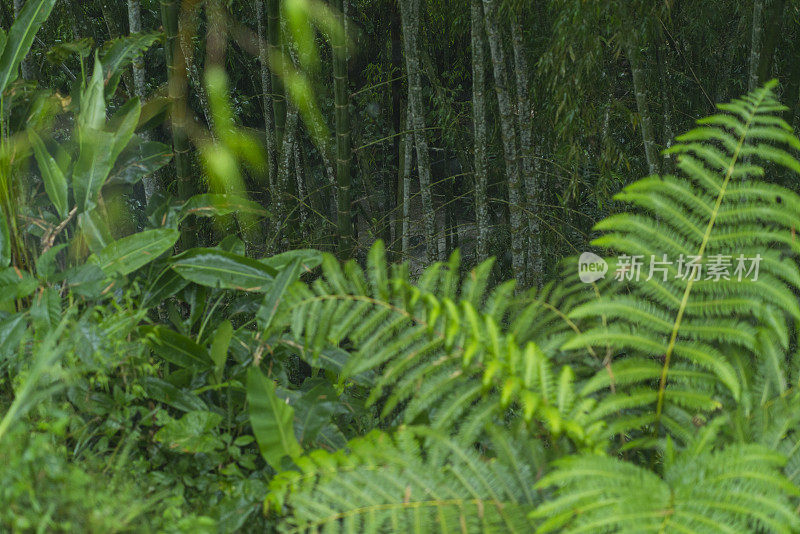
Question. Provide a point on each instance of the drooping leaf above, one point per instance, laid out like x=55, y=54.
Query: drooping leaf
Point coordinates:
x=272, y=420
x=55, y=183
x=61, y=52
x=193, y=433
x=125, y=255
x=309, y=259
x=119, y=53
x=217, y=205
x=176, y=348
x=216, y=268
x=137, y=161
x=180, y=399
x=20, y=37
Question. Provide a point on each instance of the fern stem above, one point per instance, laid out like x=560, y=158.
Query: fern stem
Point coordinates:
x=690, y=283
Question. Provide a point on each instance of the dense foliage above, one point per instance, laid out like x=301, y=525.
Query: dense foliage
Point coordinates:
x=201, y=331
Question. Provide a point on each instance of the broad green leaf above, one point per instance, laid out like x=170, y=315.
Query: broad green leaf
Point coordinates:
x=216, y=268
x=5, y=241
x=309, y=259
x=123, y=124
x=120, y=52
x=95, y=160
x=139, y=160
x=219, y=347
x=3, y=40
x=93, y=105
x=193, y=433
x=88, y=280
x=216, y=205
x=20, y=37
x=275, y=293
x=162, y=391
x=272, y=420
x=62, y=52
x=176, y=348
x=125, y=255
x=55, y=184
x=95, y=230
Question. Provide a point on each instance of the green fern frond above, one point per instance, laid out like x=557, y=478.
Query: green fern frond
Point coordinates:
x=715, y=210
x=739, y=489
x=440, y=349
x=396, y=484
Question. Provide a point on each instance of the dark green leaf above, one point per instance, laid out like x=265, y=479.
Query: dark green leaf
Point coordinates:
x=20, y=37
x=138, y=160
x=88, y=280
x=162, y=391
x=272, y=420
x=94, y=229
x=219, y=347
x=216, y=268
x=125, y=255
x=166, y=284
x=216, y=205
x=309, y=259
x=176, y=348
x=275, y=293
x=55, y=184
x=46, y=263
